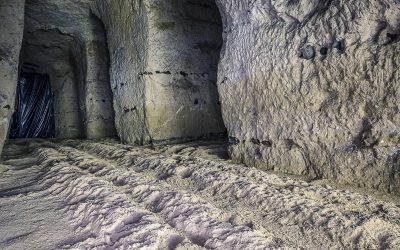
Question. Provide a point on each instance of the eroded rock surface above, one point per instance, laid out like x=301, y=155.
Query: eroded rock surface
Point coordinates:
x=107, y=195
x=163, y=68
x=65, y=40
x=11, y=30
x=312, y=88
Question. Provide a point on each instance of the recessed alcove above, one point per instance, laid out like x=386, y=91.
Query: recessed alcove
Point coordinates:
x=77, y=63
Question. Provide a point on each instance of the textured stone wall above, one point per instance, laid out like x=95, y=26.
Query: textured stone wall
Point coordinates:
x=94, y=83
x=63, y=39
x=185, y=39
x=312, y=88
x=164, y=57
x=306, y=87
x=68, y=119
x=11, y=30
x=126, y=26
x=47, y=52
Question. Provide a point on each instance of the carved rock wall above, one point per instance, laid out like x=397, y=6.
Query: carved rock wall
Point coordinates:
x=12, y=24
x=312, y=88
x=65, y=40
x=164, y=57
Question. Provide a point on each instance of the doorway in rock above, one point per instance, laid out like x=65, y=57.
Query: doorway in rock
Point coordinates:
x=34, y=114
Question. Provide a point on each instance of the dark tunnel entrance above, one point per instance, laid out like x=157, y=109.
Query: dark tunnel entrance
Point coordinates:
x=34, y=112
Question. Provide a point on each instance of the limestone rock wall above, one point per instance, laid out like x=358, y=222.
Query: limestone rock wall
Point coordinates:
x=164, y=57
x=312, y=88
x=68, y=119
x=65, y=40
x=12, y=24
x=94, y=82
x=47, y=52
x=185, y=38
x=126, y=26
x=306, y=87
x=159, y=59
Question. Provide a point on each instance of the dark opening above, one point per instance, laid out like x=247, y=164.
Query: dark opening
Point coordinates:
x=34, y=114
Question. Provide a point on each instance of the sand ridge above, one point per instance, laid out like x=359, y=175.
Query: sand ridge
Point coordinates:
x=105, y=195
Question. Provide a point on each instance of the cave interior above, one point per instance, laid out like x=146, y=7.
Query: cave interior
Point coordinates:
x=71, y=48
x=199, y=124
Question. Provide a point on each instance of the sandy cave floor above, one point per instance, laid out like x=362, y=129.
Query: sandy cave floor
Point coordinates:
x=104, y=195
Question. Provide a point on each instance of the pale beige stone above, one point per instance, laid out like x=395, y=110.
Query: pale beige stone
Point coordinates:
x=329, y=116
x=11, y=30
